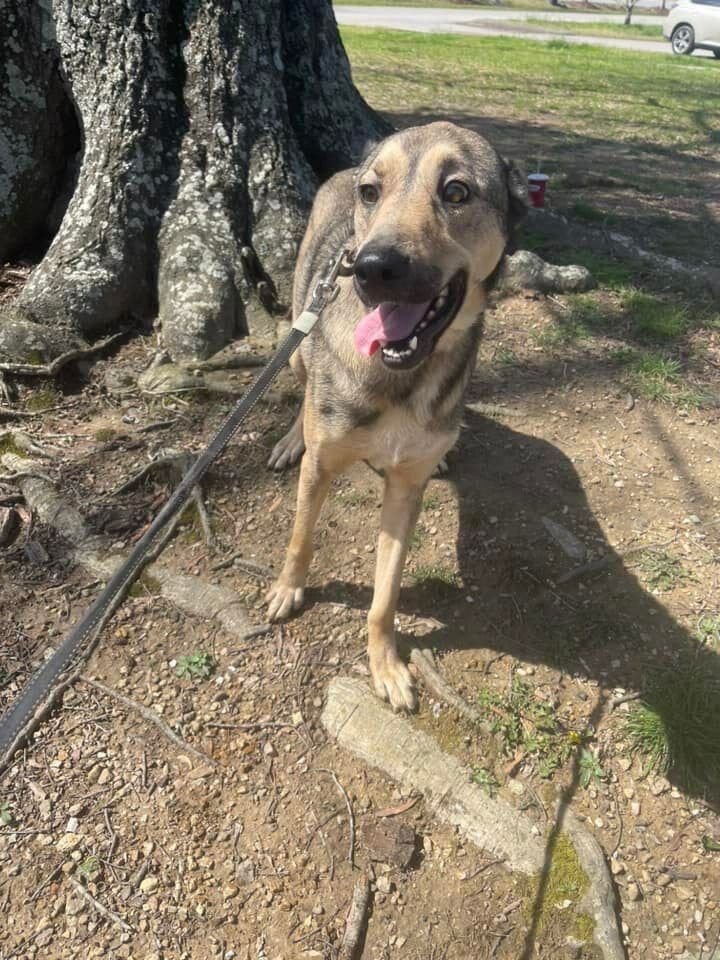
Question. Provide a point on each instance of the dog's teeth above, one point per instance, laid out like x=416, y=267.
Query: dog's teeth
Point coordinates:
x=413, y=344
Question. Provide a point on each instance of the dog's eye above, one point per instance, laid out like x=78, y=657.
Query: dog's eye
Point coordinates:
x=369, y=193
x=455, y=192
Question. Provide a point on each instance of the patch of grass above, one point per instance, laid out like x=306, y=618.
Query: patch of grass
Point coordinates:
x=634, y=31
x=528, y=725
x=354, y=498
x=651, y=318
x=195, y=666
x=417, y=537
x=431, y=502
x=505, y=357
x=144, y=585
x=105, y=434
x=676, y=727
x=662, y=571
x=435, y=577
x=588, y=213
x=40, y=400
x=8, y=444
x=483, y=778
x=651, y=375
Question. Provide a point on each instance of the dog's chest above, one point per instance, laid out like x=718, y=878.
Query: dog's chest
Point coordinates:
x=400, y=437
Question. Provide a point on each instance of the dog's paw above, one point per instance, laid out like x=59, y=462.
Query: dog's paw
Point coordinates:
x=283, y=599
x=288, y=451
x=393, y=682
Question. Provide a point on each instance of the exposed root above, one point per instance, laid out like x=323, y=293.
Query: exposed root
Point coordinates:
x=422, y=659
x=53, y=368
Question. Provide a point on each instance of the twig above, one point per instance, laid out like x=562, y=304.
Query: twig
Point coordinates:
x=152, y=717
x=176, y=461
x=158, y=425
x=482, y=868
x=48, y=880
x=50, y=369
x=249, y=566
x=250, y=726
x=355, y=925
x=625, y=698
x=594, y=566
x=203, y=516
x=351, y=815
x=103, y=911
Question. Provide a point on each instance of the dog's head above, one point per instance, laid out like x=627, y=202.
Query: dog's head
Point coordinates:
x=434, y=207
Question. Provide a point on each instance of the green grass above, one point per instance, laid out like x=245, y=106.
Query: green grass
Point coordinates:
x=708, y=632
x=635, y=31
x=590, y=214
x=483, y=778
x=653, y=319
x=195, y=666
x=612, y=95
x=676, y=727
x=435, y=577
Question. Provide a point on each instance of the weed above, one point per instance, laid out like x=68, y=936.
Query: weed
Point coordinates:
x=6, y=817
x=676, y=727
x=484, y=778
x=652, y=373
x=431, y=502
x=417, y=537
x=528, y=725
x=89, y=868
x=195, y=666
x=708, y=631
x=354, y=498
x=505, y=357
x=590, y=769
x=435, y=577
x=105, y=434
x=662, y=571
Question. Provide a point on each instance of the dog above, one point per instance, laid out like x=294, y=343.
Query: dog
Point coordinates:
x=428, y=215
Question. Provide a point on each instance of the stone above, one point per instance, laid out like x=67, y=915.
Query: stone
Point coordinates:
x=149, y=884
x=391, y=842
x=633, y=892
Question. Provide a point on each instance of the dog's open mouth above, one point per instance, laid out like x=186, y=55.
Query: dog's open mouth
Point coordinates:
x=406, y=333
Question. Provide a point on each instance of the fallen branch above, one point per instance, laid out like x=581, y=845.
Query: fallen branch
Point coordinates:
x=102, y=910
x=147, y=714
x=355, y=925
x=52, y=368
x=249, y=566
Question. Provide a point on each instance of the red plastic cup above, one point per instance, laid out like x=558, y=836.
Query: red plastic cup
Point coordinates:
x=537, y=182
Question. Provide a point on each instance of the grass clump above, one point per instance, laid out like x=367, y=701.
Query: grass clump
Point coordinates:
x=195, y=666
x=651, y=318
x=676, y=727
x=528, y=725
x=652, y=375
x=434, y=576
x=662, y=571
x=708, y=632
x=40, y=400
x=483, y=778
x=105, y=434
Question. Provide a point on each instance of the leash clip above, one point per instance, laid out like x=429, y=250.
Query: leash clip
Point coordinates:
x=325, y=291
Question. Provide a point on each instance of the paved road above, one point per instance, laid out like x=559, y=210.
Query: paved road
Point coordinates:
x=483, y=22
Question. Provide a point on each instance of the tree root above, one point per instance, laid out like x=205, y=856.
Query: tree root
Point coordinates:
x=53, y=368
x=423, y=661
x=524, y=269
x=367, y=728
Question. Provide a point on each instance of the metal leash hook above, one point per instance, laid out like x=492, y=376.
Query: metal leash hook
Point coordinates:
x=325, y=290
x=41, y=691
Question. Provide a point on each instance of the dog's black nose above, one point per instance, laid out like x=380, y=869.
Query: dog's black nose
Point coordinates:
x=384, y=273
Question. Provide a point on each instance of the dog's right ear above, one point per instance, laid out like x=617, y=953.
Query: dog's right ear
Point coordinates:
x=518, y=201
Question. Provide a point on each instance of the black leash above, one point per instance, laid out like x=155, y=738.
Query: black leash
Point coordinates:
x=35, y=694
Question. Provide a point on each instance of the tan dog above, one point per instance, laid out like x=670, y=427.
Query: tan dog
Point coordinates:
x=428, y=215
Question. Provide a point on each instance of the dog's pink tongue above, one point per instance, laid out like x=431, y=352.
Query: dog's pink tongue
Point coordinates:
x=386, y=323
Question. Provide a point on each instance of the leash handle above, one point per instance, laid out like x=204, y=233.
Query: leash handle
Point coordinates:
x=38, y=692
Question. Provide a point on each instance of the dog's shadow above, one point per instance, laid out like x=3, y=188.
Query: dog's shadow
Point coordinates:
x=603, y=626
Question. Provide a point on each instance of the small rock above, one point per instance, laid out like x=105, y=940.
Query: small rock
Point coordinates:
x=625, y=763
x=68, y=842
x=633, y=892
x=635, y=808
x=659, y=786
x=617, y=867
x=391, y=842
x=384, y=884
x=72, y=825
x=269, y=750
x=149, y=884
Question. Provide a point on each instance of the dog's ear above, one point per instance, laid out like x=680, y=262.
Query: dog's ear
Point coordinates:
x=518, y=202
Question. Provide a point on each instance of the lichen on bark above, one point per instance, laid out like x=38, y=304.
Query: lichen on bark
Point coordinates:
x=205, y=129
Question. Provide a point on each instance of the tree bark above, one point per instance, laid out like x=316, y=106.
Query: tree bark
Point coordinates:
x=206, y=125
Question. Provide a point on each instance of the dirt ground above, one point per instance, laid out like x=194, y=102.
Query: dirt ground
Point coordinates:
x=249, y=859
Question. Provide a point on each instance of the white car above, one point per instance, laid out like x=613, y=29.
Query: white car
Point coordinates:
x=694, y=25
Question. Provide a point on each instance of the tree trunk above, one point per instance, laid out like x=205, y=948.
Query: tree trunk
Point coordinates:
x=205, y=128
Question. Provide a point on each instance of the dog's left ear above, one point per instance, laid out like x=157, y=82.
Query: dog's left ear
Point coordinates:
x=518, y=202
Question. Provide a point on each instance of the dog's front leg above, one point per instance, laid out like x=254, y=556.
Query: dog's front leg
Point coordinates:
x=403, y=498
x=286, y=594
